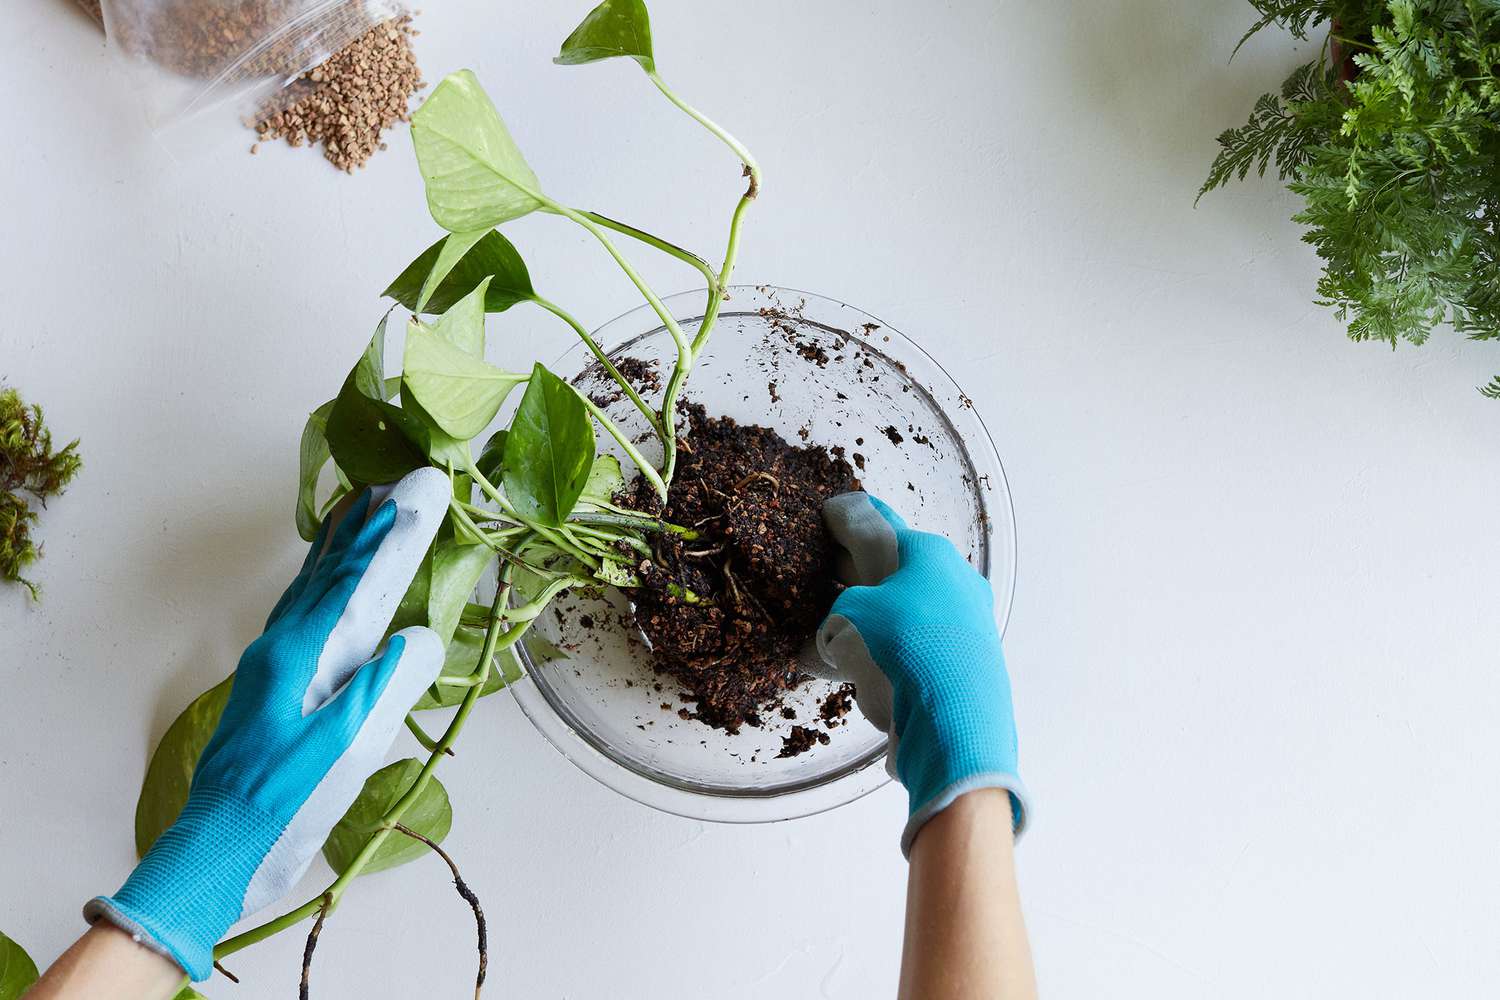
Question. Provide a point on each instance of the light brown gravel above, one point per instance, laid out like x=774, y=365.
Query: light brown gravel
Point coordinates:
x=351, y=99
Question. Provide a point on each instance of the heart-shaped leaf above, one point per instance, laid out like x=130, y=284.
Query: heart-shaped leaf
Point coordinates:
x=491, y=462
x=456, y=569
x=460, y=393
x=450, y=253
x=374, y=441
x=17, y=970
x=549, y=451
x=371, y=440
x=493, y=257
x=614, y=28
x=476, y=177
x=463, y=325
x=605, y=480
x=442, y=448
x=312, y=457
x=430, y=815
x=165, y=790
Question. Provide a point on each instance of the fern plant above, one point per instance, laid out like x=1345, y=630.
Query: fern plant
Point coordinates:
x=1391, y=136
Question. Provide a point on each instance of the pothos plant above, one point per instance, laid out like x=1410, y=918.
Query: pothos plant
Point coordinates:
x=533, y=505
x=1391, y=136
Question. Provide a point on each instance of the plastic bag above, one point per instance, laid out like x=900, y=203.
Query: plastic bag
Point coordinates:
x=205, y=68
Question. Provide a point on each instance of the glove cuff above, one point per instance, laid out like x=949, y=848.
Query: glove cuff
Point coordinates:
x=921, y=812
x=190, y=887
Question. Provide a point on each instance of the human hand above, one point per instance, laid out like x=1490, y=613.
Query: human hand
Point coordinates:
x=312, y=713
x=915, y=632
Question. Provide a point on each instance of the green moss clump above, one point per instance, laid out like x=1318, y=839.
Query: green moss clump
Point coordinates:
x=28, y=467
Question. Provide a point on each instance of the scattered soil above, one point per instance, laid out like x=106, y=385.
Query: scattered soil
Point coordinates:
x=349, y=101
x=728, y=612
x=836, y=705
x=800, y=740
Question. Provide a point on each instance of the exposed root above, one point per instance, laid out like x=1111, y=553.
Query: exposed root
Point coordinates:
x=312, y=944
x=468, y=896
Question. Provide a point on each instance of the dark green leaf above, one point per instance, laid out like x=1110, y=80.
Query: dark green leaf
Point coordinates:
x=492, y=459
x=374, y=441
x=462, y=660
x=460, y=393
x=17, y=970
x=493, y=257
x=614, y=28
x=165, y=789
x=476, y=177
x=313, y=456
x=369, y=371
x=456, y=569
x=430, y=815
x=549, y=451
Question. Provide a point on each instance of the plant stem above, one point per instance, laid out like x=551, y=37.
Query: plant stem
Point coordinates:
x=556, y=536
x=647, y=469
x=330, y=897
x=686, y=256
x=752, y=167
x=609, y=366
x=716, y=286
x=634, y=521
x=657, y=306
x=428, y=743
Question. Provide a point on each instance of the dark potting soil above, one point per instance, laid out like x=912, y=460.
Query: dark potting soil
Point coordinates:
x=727, y=612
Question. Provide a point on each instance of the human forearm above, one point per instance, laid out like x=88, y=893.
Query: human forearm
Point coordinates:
x=105, y=962
x=965, y=938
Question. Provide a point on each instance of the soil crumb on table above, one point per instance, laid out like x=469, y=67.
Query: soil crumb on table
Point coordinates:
x=727, y=612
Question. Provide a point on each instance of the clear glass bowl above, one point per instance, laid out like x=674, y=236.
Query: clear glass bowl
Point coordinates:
x=816, y=370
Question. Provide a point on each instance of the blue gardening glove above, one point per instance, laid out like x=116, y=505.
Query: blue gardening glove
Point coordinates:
x=915, y=632
x=310, y=716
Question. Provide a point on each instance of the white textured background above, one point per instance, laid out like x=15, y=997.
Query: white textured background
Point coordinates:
x=1255, y=637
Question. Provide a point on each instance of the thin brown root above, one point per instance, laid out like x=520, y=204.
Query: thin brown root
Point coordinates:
x=226, y=973
x=757, y=475
x=469, y=897
x=701, y=553
x=312, y=943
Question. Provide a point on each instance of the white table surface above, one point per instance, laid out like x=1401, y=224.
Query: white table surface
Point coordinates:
x=1254, y=640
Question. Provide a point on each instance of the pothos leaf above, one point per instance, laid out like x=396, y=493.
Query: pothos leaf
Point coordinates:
x=443, y=448
x=450, y=253
x=188, y=993
x=605, y=480
x=493, y=257
x=371, y=440
x=430, y=815
x=476, y=177
x=463, y=325
x=550, y=449
x=165, y=790
x=614, y=28
x=460, y=393
x=17, y=970
x=374, y=441
x=313, y=456
x=617, y=574
x=456, y=569
x=492, y=460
